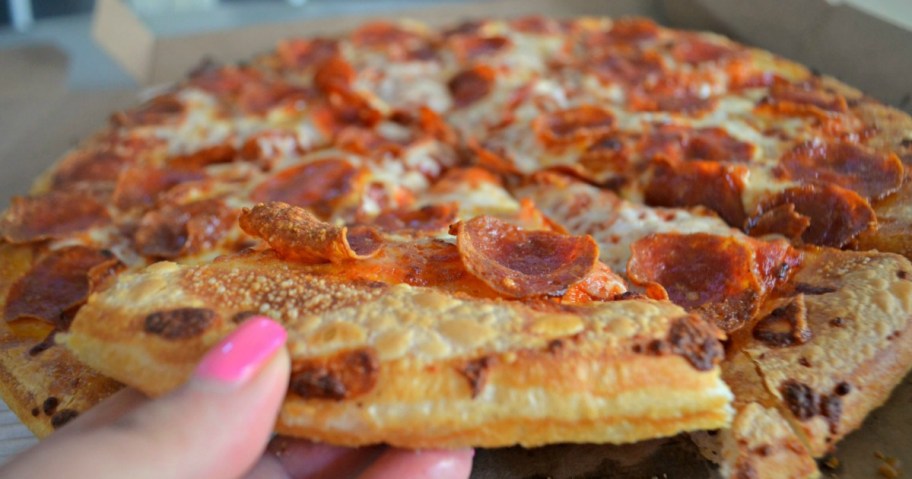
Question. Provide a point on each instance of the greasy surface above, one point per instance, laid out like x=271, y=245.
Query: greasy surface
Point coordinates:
x=516, y=374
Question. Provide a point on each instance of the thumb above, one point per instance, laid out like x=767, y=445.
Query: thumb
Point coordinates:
x=215, y=426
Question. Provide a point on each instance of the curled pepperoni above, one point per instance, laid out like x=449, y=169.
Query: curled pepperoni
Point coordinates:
x=298, y=235
x=157, y=111
x=139, y=186
x=573, y=125
x=872, y=175
x=472, y=47
x=701, y=272
x=428, y=218
x=56, y=284
x=780, y=219
x=224, y=81
x=178, y=230
x=519, y=263
x=837, y=215
x=469, y=86
x=717, y=186
x=367, y=142
x=319, y=185
x=258, y=97
x=52, y=215
x=427, y=121
x=301, y=53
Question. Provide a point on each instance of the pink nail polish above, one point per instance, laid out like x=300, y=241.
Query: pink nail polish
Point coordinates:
x=243, y=352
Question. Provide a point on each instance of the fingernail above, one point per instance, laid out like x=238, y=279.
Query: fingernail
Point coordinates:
x=243, y=352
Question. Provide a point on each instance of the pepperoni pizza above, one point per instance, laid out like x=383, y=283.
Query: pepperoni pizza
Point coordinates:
x=508, y=232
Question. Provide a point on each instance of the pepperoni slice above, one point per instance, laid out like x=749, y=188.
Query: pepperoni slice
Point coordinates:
x=199, y=159
x=139, y=186
x=803, y=99
x=298, y=235
x=157, y=111
x=472, y=47
x=179, y=230
x=429, y=218
x=224, y=81
x=780, y=219
x=319, y=185
x=89, y=166
x=671, y=93
x=335, y=75
x=380, y=34
x=301, y=54
x=696, y=49
x=717, y=186
x=710, y=144
x=632, y=69
x=258, y=97
x=519, y=263
x=57, y=283
x=52, y=215
x=367, y=142
x=427, y=121
x=852, y=166
x=535, y=25
x=707, y=273
x=469, y=86
x=583, y=123
x=837, y=215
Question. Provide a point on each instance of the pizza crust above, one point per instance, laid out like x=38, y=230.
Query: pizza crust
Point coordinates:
x=515, y=374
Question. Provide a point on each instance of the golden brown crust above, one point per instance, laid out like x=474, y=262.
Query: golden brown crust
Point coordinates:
x=858, y=308
x=604, y=372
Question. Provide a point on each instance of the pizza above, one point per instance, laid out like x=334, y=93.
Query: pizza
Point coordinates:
x=526, y=231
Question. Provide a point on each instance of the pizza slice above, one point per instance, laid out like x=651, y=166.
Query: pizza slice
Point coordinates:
x=518, y=330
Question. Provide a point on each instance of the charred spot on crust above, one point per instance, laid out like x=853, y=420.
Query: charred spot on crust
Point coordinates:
x=61, y=418
x=813, y=289
x=43, y=346
x=695, y=340
x=904, y=275
x=831, y=410
x=345, y=375
x=242, y=316
x=556, y=346
x=35, y=412
x=800, y=399
x=476, y=372
x=50, y=405
x=838, y=322
x=906, y=143
x=180, y=323
x=804, y=362
x=785, y=326
x=842, y=389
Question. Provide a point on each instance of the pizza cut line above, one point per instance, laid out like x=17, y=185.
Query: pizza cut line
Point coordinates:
x=523, y=231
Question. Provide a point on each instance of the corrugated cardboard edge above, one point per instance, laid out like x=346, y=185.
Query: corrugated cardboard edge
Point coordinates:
x=125, y=37
x=152, y=60
x=840, y=40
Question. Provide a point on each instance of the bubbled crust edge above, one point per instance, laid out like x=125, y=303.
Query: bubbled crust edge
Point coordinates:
x=872, y=378
x=580, y=391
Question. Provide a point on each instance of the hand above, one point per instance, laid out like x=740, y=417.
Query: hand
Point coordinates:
x=216, y=426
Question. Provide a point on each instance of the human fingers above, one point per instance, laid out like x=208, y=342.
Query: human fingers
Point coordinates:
x=438, y=464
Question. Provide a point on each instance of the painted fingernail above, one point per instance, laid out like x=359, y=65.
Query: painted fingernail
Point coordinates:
x=243, y=352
